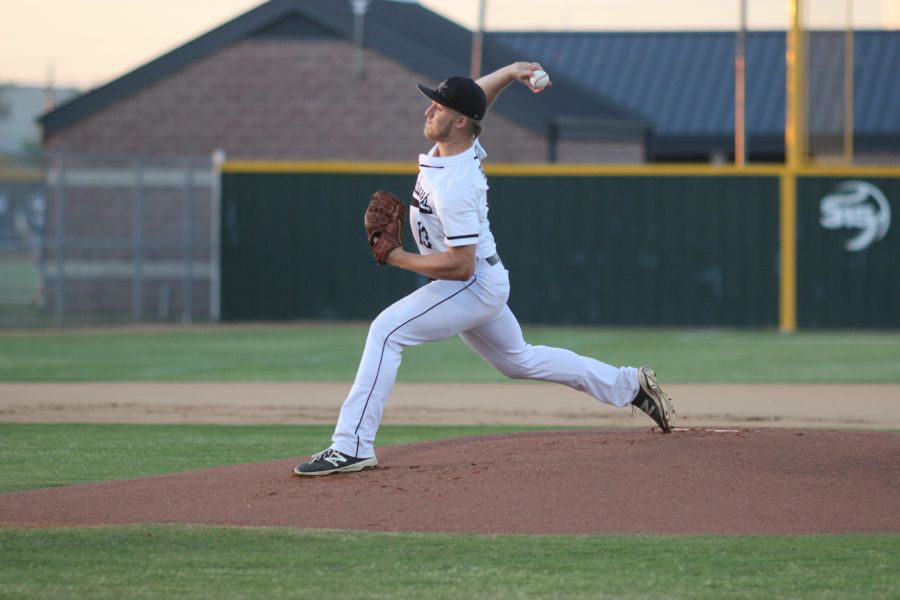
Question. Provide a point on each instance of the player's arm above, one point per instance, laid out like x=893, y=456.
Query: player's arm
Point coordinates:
x=496, y=82
x=458, y=263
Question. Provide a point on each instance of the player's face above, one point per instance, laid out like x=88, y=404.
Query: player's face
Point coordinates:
x=439, y=122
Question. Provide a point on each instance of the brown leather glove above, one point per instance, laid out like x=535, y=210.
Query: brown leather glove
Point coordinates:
x=384, y=224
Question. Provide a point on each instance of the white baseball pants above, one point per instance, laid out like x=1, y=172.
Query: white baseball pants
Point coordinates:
x=476, y=311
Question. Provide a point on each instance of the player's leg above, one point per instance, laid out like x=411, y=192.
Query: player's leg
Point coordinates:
x=501, y=343
x=436, y=311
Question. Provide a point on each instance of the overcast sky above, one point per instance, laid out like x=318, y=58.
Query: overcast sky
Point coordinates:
x=86, y=43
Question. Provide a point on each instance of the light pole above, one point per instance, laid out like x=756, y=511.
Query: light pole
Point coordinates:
x=478, y=42
x=740, y=90
x=848, y=86
x=359, y=20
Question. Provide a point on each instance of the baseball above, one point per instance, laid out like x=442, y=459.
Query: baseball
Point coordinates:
x=539, y=79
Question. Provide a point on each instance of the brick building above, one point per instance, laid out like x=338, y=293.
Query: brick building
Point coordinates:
x=280, y=82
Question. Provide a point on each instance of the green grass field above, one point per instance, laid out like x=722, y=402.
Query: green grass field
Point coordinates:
x=19, y=279
x=164, y=561
x=219, y=562
x=19, y=285
x=317, y=352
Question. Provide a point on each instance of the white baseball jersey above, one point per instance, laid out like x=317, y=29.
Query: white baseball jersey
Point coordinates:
x=449, y=206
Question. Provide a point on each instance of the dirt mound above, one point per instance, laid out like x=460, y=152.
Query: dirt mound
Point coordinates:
x=599, y=481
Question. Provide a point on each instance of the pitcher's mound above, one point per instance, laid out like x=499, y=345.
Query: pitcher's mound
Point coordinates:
x=596, y=481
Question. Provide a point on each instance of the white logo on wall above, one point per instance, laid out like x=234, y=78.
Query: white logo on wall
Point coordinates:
x=857, y=205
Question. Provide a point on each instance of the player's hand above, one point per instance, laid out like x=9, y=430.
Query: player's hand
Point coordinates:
x=522, y=71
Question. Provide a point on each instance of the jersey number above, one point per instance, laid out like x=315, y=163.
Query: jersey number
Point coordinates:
x=423, y=235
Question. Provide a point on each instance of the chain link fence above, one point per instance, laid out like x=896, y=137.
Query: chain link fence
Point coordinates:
x=22, y=223
x=105, y=239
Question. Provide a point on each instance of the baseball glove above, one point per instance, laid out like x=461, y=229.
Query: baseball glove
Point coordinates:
x=384, y=224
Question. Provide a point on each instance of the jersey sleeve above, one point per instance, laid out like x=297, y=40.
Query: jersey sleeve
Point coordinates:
x=459, y=215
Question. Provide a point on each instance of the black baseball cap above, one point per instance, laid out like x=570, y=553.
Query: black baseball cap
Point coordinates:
x=461, y=94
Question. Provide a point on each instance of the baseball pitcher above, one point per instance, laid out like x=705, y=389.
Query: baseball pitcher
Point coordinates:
x=448, y=219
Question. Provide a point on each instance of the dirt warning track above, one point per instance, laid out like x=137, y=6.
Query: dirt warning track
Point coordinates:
x=869, y=406
x=585, y=481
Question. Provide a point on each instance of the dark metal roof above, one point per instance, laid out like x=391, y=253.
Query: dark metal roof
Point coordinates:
x=683, y=82
x=408, y=33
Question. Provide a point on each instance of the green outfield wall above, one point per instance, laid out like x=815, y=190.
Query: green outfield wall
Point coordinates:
x=293, y=247
x=848, y=252
x=656, y=250
x=645, y=246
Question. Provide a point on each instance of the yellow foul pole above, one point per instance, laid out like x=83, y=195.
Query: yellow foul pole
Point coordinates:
x=795, y=157
x=795, y=126
x=788, y=219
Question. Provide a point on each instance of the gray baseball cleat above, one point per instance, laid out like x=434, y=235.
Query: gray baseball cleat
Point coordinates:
x=653, y=401
x=331, y=461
